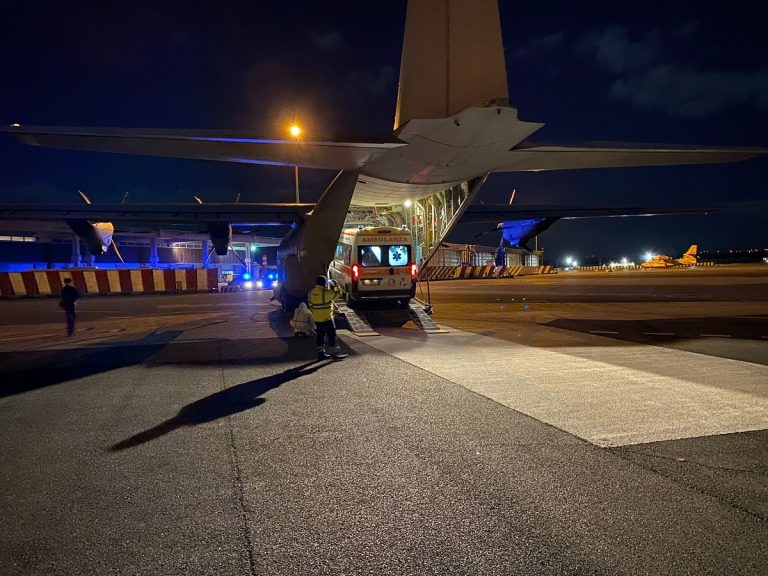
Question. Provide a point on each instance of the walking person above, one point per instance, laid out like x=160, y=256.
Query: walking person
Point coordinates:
x=69, y=295
x=321, y=303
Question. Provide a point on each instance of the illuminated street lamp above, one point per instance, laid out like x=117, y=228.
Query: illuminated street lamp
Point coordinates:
x=295, y=131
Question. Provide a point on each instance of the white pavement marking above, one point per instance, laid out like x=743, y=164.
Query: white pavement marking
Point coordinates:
x=610, y=396
x=715, y=335
x=659, y=333
x=603, y=332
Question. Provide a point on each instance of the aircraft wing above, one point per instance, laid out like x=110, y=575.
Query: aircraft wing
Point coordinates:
x=235, y=214
x=538, y=157
x=204, y=145
x=476, y=214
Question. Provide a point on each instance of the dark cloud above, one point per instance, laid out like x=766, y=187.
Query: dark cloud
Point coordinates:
x=375, y=82
x=687, y=29
x=690, y=92
x=615, y=51
x=540, y=44
x=328, y=42
x=646, y=81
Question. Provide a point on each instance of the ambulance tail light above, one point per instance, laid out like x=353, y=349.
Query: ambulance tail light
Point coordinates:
x=414, y=271
x=355, y=272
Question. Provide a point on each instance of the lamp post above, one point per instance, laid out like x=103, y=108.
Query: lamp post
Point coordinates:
x=296, y=132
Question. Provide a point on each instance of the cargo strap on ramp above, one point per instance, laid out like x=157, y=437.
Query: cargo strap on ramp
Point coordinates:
x=357, y=322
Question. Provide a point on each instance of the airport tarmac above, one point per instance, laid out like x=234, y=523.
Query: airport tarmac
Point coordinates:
x=608, y=423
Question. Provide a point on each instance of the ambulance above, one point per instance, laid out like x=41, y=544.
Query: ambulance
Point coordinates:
x=375, y=265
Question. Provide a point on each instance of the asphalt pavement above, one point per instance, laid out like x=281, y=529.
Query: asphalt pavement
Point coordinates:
x=194, y=435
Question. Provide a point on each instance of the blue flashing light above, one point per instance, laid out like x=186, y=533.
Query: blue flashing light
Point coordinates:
x=271, y=276
x=517, y=232
x=246, y=276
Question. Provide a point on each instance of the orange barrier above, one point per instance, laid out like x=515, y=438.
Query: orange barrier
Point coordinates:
x=91, y=281
x=433, y=273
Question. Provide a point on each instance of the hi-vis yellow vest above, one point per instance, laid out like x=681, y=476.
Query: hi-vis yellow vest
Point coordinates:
x=321, y=303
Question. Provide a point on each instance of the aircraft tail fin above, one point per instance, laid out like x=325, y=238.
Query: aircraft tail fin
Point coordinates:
x=453, y=58
x=692, y=250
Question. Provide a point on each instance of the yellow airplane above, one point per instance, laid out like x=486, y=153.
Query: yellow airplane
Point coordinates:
x=661, y=261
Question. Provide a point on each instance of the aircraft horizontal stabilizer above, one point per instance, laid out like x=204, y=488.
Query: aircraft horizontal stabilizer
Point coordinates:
x=535, y=157
x=160, y=213
x=503, y=212
x=203, y=145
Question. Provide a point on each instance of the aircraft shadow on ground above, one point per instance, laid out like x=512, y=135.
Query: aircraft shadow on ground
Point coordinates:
x=659, y=330
x=30, y=370
x=24, y=371
x=221, y=404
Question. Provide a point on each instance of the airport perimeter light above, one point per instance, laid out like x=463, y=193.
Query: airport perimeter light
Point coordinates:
x=295, y=131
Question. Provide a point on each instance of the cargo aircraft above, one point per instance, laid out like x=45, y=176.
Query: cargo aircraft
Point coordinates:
x=453, y=125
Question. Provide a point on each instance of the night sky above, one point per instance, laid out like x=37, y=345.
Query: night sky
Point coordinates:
x=678, y=72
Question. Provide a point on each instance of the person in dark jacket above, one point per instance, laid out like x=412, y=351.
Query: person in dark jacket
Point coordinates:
x=69, y=295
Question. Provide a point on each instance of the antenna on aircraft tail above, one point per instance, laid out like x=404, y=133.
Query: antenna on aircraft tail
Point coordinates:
x=87, y=200
x=197, y=199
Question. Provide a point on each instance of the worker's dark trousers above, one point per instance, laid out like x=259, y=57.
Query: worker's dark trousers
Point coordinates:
x=326, y=328
x=70, y=321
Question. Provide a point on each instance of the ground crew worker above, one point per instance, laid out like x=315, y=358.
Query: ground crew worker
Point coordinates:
x=321, y=303
x=69, y=295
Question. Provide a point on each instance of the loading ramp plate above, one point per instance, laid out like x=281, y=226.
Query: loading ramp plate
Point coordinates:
x=356, y=321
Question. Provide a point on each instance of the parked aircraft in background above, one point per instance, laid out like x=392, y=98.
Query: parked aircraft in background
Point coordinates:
x=662, y=261
x=453, y=125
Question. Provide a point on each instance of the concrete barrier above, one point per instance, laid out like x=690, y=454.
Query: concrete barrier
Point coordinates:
x=41, y=283
x=434, y=273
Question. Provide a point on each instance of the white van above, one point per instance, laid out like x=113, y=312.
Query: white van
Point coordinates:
x=375, y=264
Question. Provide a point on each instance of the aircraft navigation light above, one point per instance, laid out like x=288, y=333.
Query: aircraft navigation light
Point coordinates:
x=408, y=203
x=295, y=131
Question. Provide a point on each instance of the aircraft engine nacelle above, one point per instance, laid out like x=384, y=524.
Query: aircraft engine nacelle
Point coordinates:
x=96, y=235
x=220, y=234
